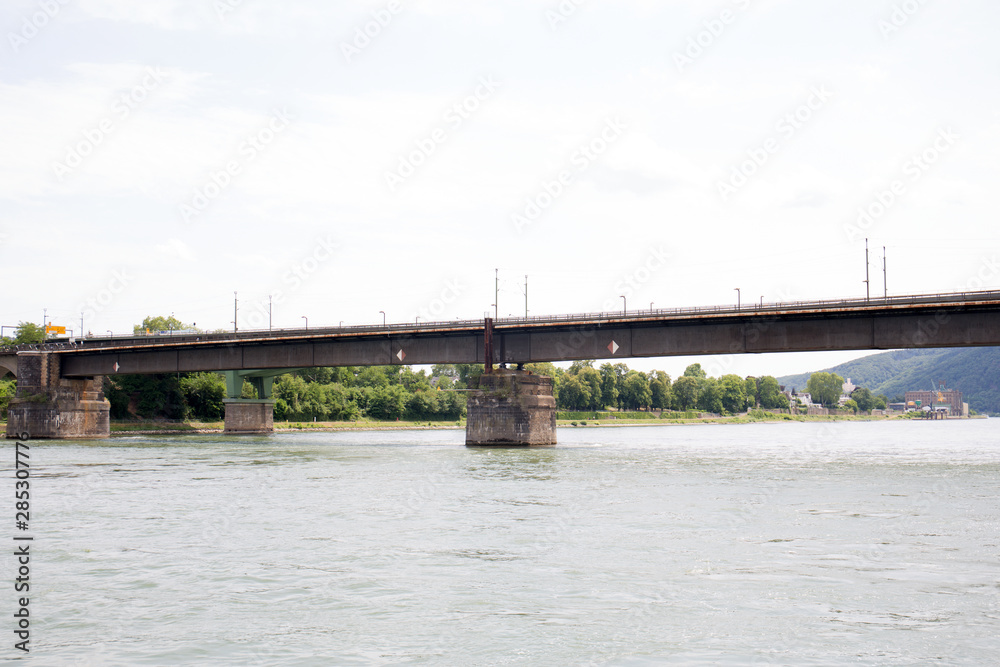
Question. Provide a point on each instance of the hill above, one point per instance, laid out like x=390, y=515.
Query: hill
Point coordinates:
x=973, y=371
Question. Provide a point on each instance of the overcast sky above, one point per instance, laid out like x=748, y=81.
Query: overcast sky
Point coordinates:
x=350, y=158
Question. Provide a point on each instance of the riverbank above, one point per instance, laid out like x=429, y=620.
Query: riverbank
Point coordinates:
x=164, y=427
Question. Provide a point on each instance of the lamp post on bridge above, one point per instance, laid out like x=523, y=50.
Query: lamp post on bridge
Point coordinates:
x=624, y=304
x=307, y=322
x=235, y=310
x=383, y=317
x=737, y=297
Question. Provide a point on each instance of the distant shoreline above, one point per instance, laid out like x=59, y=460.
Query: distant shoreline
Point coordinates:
x=126, y=428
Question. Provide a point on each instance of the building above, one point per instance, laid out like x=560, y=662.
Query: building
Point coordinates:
x=939, y=398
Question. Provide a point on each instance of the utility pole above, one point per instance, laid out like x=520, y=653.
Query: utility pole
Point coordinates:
x=496, y=293
x=235, y=309
x=885, y=277
x=868, y=294
x=268, y=312
x=81, y=325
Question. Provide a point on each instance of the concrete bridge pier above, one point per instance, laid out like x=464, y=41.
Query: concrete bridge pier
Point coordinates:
x=50, y=406
x=511, y=408
x=248, y=416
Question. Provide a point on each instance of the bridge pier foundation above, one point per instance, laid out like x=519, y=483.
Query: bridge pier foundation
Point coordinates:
x=50, y=406
x=247, y=416
x=511, y=408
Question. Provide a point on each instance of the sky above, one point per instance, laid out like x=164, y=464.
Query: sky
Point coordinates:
x=315, y=162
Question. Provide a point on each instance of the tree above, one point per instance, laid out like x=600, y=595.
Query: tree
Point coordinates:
x=695, y=371
x=204, y=395
x=864, y=399
x=709, y=398
x=852, y=405
x=685, y=392
x=825, y=388
x=8, y=388
x=574, y=394
x=751, y=386
x=770, y=394
x=659, y=389
x=732, y=393
x=592, y=379
x=159, y=323
x=609, y=385
x=635, y=393
x=881, y=402
x=26, y=333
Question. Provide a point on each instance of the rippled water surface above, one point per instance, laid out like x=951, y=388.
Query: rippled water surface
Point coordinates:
x=784, y=544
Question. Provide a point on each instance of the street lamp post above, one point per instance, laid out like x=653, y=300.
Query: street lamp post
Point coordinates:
x=307, y=322
x=383, y=317
x=235, y=310
x=737, y=297
x=624, y=304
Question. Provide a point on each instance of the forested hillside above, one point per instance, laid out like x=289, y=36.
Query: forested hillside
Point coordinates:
x=973, y=371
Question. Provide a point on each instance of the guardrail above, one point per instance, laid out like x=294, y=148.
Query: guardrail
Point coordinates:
x=160, y=338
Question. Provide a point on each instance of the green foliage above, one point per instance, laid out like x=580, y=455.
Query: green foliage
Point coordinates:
x=146, y=396
x=825, y=388
x=709, y=397
x=852, y=405
x=8, y=389
x=609, y=385
x=732, y=393
x=769, y=394
x=863, y=399
x=159, y=323
x=635, y=392
x=660, y=392
x=685, y=392
x=203, y=395
x=25, y=333
x=695, y=371
x=974, y=371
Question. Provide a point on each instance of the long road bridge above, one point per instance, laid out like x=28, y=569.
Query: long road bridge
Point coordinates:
x=965, y=319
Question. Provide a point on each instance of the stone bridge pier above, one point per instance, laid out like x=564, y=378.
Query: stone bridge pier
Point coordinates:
x=50, y=406
x=511, y=408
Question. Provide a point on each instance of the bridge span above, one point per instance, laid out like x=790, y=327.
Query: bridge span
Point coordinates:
x=965, y=319
x=942, y=320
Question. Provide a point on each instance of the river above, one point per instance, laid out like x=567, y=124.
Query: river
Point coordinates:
x=855, y=543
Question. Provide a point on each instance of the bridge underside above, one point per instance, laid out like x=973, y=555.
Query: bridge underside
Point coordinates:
x=743, y=335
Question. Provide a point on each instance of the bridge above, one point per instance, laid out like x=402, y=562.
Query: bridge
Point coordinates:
x=964, y=319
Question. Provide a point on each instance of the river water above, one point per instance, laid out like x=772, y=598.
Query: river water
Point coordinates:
x=862, y=543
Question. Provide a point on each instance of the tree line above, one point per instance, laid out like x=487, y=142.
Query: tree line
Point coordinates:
x=583, y=387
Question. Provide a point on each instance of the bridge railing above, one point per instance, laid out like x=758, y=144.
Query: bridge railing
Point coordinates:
x=754, y=308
